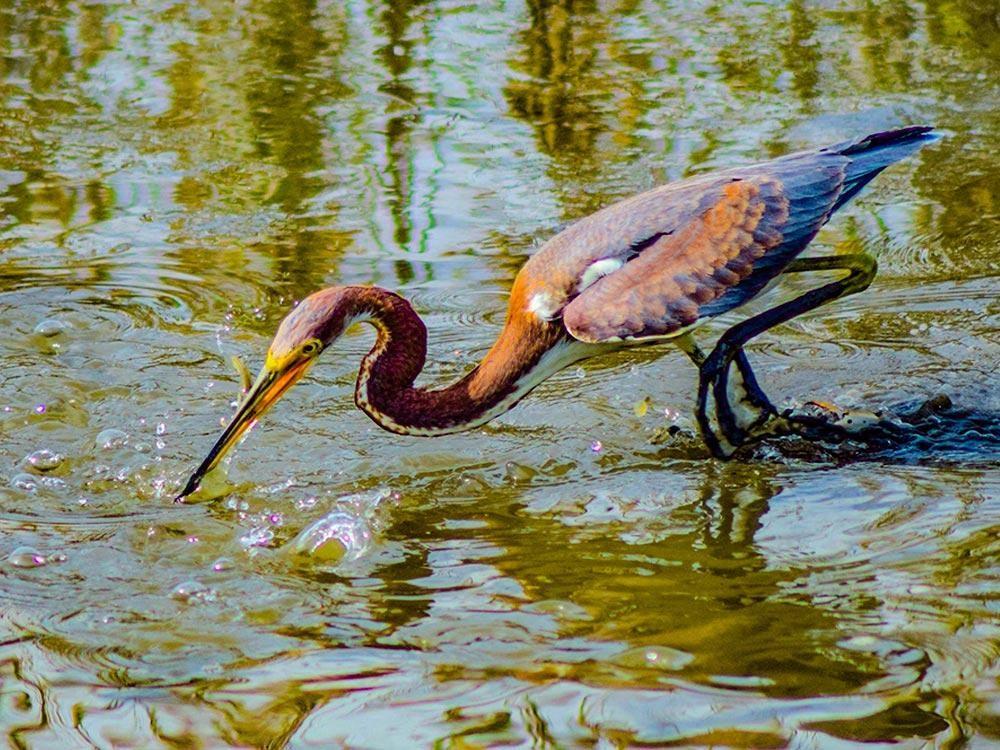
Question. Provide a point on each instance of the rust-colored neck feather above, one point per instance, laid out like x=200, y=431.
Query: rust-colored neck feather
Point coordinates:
x=527, y=351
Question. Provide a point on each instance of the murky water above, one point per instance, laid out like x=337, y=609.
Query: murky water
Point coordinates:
x=174, y=175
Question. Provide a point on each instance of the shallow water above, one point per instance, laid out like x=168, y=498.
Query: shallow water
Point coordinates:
x=175, y=175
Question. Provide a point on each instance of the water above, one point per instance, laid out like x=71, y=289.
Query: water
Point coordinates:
x=578, y=573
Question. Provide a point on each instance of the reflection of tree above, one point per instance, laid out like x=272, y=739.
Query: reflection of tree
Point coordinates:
x=396, y=56
x=887, y=26
x=561, y=84
x=961, y=39
x=802, y=52
x=287, y=87
x=572, y=96
x=294, y=74
x=33, y=38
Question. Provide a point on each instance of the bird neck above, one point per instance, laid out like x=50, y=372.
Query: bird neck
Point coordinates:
x=527, y=351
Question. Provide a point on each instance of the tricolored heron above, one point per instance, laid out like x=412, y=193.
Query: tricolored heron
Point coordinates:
x=646, y=270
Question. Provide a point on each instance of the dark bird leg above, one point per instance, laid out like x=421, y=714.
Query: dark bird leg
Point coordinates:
x=754, y=406
x=736, y=429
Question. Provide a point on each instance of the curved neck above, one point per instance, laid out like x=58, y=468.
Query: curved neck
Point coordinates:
x=526, y=352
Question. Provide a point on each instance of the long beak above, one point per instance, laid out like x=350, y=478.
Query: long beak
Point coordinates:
x=263, y=394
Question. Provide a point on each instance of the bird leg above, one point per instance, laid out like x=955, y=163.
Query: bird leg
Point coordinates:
x=753, y=408
x=736, y=428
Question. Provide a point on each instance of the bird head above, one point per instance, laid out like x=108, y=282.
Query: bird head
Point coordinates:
x=304, y=333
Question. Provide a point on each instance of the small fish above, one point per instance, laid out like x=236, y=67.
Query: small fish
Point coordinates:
x=246, y=379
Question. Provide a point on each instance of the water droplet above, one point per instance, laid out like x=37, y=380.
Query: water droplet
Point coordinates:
x=26, y=557
x=50, y=327
x=25, y=482
x=258, y=536
x=275, y=519
x=518, y=473
x=111, y=438
x=192, y=539
x=43, y=460
x=474, y=484
x=193, y=592
x=597, y=446
x=334, y=537
x=39, y=408
x=161, y=428
x=655, y=657
x=222, y=564
x=305, y=503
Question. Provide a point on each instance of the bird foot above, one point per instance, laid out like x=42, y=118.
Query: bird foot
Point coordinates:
x=732, y=409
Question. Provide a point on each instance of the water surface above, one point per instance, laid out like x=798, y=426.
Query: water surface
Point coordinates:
x=174, y=175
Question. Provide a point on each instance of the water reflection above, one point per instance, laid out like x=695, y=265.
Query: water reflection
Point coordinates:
x=172, y=176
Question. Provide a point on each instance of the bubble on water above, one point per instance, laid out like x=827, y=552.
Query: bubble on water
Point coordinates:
x=306, y=503
x=334, y=537
x=223, y=564
x=40, y=408
x=239, y=505
x=474, y=484
x=25, y=482
x=275, y=519
x=26, y=557
x=597, y=446
x=258, y=536
x=518, y=472
x=193, y=592
x=43, y=460
x=161, y=428
x=111, y=438
x=50, y=327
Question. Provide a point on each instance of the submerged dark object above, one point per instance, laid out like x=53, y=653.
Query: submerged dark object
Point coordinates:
x=646, y=270
x=928, y=430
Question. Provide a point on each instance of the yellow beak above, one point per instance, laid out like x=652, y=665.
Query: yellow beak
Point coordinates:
x=270, y=386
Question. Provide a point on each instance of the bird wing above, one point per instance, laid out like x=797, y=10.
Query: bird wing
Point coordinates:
x=703, y=248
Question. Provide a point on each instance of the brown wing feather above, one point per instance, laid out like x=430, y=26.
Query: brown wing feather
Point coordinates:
x=661, y=290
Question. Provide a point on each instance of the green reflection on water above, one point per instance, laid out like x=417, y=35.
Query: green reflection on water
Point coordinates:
x=173, y=176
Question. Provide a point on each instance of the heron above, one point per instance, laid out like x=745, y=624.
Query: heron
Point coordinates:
x=646, y=270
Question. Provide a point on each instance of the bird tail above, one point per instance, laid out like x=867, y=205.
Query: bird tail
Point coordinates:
x=873, y=153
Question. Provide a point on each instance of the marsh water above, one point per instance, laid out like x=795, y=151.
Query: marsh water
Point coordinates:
x=577, y=574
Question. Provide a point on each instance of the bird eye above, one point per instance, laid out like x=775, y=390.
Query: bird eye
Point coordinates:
x=310, y=347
